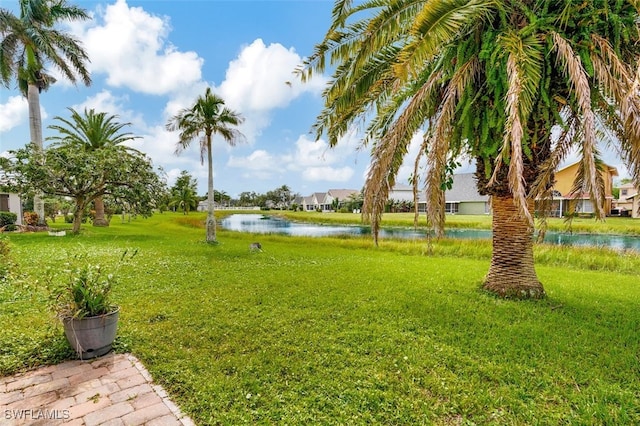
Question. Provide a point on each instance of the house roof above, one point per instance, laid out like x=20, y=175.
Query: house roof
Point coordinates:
x=464, y=189
x=342, y=194
x=319, y=197
x=401, y=187
x=628, y=185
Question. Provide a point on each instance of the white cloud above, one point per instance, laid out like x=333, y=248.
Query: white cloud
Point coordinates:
x=259, y=164
x=130, y=47
x=316, y=161
x=104, y=101
x=259, y=160
x=312, y=153
x=172, y=175
x=329, y=174
x=406, y=169
x=13, y=113
x=261, y=78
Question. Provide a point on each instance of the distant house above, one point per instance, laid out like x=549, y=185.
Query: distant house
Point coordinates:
x=634, y=211
x=402, y=193
x=462, y=198
x=565, y=198
x=10, y=202
x=627, y=200
x=324, y=201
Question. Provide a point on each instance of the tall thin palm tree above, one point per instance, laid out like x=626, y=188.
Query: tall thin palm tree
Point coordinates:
x=207, y=117
x=491, y=79
x=93, y=131
x=29, y=43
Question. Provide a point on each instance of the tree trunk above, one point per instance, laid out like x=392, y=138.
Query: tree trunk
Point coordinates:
x=77, y=216
x=35, y=133
x=99, y=219
x=211, y=218
x=512, y=273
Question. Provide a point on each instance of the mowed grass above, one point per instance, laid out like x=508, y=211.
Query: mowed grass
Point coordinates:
x=335, y=331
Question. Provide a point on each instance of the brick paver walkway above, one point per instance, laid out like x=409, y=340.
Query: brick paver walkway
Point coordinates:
x=115, y=389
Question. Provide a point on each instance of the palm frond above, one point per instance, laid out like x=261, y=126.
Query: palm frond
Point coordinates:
x=437, y=24
x=389, y=151
x=440, y=145
x=572, y=67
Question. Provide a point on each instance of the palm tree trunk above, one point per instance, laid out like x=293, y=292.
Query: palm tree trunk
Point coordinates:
x=512, y=273
x=211, y=218
x=99, y=219
x=35, y=132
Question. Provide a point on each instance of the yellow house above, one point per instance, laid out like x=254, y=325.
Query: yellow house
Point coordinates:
x=564, y=198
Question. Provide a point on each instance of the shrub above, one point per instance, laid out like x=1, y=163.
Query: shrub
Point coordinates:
x=7, y=219
x=30, y=218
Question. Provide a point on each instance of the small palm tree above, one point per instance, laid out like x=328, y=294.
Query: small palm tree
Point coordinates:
x=208, y=116
x=92, y=132
x=184, y=199
x=29, y=42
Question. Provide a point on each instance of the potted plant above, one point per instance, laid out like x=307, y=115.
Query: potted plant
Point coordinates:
x=81, y=298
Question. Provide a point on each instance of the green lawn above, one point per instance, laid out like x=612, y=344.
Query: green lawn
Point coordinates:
x=335, y=331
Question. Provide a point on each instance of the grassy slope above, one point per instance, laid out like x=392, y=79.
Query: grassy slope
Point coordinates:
x=335, y=331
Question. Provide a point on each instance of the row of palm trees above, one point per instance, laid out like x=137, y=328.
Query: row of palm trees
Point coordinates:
x=31, y=41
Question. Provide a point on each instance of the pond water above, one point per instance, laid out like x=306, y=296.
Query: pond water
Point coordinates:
x=259, y=224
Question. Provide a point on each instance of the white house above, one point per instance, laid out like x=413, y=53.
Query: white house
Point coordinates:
x=10, y=202
x=323, y=201
x=462, y=198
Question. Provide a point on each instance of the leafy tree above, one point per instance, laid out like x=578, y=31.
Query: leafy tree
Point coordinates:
x=29, y=43
x=84, y=175
x=247, y=199
x=184, y=193
x=221, y=197
x=93, y=131
x=354, y=201
x=489, y=79
x=207, y=117
x=279, y=198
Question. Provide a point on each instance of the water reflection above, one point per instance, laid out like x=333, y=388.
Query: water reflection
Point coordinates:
x=259, y=224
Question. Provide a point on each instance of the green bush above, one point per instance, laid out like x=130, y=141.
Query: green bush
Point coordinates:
x=8, y=219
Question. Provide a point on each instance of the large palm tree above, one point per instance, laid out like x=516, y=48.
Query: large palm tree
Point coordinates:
x=208, y=116
x=93, y=131
x=29, y=43
x=515, y=84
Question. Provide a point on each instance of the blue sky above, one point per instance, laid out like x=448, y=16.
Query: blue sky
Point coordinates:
x=151, y=58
